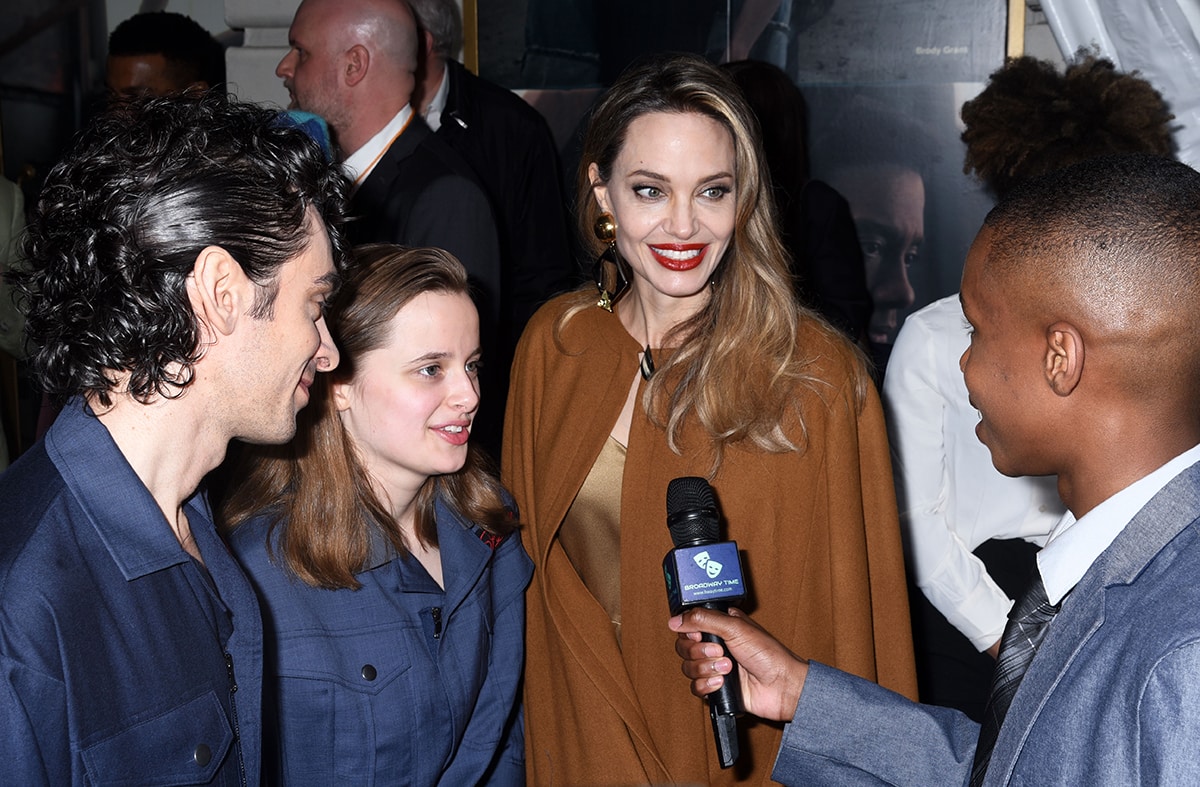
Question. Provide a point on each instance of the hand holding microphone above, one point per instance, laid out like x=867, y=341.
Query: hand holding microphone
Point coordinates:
x=772, y=677
x=702, y=571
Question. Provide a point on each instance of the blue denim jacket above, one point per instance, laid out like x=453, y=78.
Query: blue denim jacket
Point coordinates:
x=119, y=654
x=398, y=682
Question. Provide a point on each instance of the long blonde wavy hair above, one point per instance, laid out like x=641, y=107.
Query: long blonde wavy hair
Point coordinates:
x=737, y=365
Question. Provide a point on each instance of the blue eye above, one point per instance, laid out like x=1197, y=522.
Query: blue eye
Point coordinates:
x=716, y=192
x=648, y=192
x=430, y=371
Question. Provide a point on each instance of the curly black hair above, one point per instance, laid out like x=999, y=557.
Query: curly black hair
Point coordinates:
x=1031, y=119
x=123, y=216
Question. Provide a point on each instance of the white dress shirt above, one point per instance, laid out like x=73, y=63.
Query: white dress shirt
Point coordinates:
x=358, y=165
x=433, y=113
x=952, y=498
x=1075, y=544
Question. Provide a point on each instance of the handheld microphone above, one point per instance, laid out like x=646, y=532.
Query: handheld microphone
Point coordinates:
x=702, y=571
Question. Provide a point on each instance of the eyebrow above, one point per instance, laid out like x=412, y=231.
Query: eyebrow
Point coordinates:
x=963, y=305
x=645, y=173
x=438, y=355
x=331, y=282
x=886, y=230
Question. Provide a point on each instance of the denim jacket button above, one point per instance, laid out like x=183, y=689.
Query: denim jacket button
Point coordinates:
x=368, y=672
x=202, y=755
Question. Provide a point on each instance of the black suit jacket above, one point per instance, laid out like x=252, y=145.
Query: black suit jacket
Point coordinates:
x=509, y=146
x=421, y=193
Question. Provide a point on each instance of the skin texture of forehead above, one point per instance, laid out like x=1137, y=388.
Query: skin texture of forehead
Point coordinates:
x=386, y=24
x=149, y=73
x=885, y=194
x=323, y=23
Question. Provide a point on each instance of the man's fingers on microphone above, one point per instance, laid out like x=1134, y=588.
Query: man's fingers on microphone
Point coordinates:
x=694, y=650
x=700, y=619
x=702, y=687
x=703, y=668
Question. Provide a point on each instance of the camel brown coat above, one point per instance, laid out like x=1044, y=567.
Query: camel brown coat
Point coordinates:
x=818, y=532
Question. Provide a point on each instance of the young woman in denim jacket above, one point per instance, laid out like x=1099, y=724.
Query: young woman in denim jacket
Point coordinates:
x=384, y=552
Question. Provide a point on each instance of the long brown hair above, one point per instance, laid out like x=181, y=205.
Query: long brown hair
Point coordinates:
x=316, y=489
x=737, y=364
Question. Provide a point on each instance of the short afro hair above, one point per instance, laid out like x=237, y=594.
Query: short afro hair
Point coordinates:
x=1030, y=119
x=192, y=52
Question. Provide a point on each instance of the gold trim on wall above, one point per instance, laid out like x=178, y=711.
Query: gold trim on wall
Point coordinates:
x=1016, y=27
x=471, y=36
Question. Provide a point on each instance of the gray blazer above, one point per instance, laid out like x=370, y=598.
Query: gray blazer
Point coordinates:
x=1113, y=697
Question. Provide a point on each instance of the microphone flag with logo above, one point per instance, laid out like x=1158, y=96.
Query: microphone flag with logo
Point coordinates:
x=703, y=571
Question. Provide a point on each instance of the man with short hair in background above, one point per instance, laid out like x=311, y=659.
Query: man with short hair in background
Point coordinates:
x=161, y=53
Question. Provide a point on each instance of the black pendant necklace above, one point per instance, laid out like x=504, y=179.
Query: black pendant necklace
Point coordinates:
x=647, y=364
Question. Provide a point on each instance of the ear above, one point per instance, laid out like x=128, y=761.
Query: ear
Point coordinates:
x=426, y=46
x=219, y=291
x=341, y=395
x=599, y=189
x=358, y=60
x=1064, y=357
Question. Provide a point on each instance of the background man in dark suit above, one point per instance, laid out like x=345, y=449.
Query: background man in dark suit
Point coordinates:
x=509, y=146
x=1080, y=367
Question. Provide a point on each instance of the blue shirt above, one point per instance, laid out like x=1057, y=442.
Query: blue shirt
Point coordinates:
x=122, y=659
x=400, y=681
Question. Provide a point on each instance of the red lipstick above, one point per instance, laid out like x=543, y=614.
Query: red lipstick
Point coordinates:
x=679, y=256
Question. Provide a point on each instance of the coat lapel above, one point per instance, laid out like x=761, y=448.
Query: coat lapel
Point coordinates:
x=373, y=191
x=471, y=556
x=611, y=368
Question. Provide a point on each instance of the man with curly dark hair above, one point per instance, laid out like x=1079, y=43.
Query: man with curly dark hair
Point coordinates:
x=179, y=259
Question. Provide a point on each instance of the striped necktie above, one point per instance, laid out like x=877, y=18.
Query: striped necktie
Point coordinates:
x=1028, y=623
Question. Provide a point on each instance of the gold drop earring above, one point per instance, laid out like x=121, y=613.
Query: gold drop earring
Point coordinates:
x=609, y=270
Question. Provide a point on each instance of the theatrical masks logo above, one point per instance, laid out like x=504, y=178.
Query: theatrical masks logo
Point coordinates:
x=711, y=566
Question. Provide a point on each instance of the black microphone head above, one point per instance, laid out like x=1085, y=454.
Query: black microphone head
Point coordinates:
x=692, y=512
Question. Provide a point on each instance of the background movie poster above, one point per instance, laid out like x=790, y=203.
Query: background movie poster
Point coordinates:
x=883, y=81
